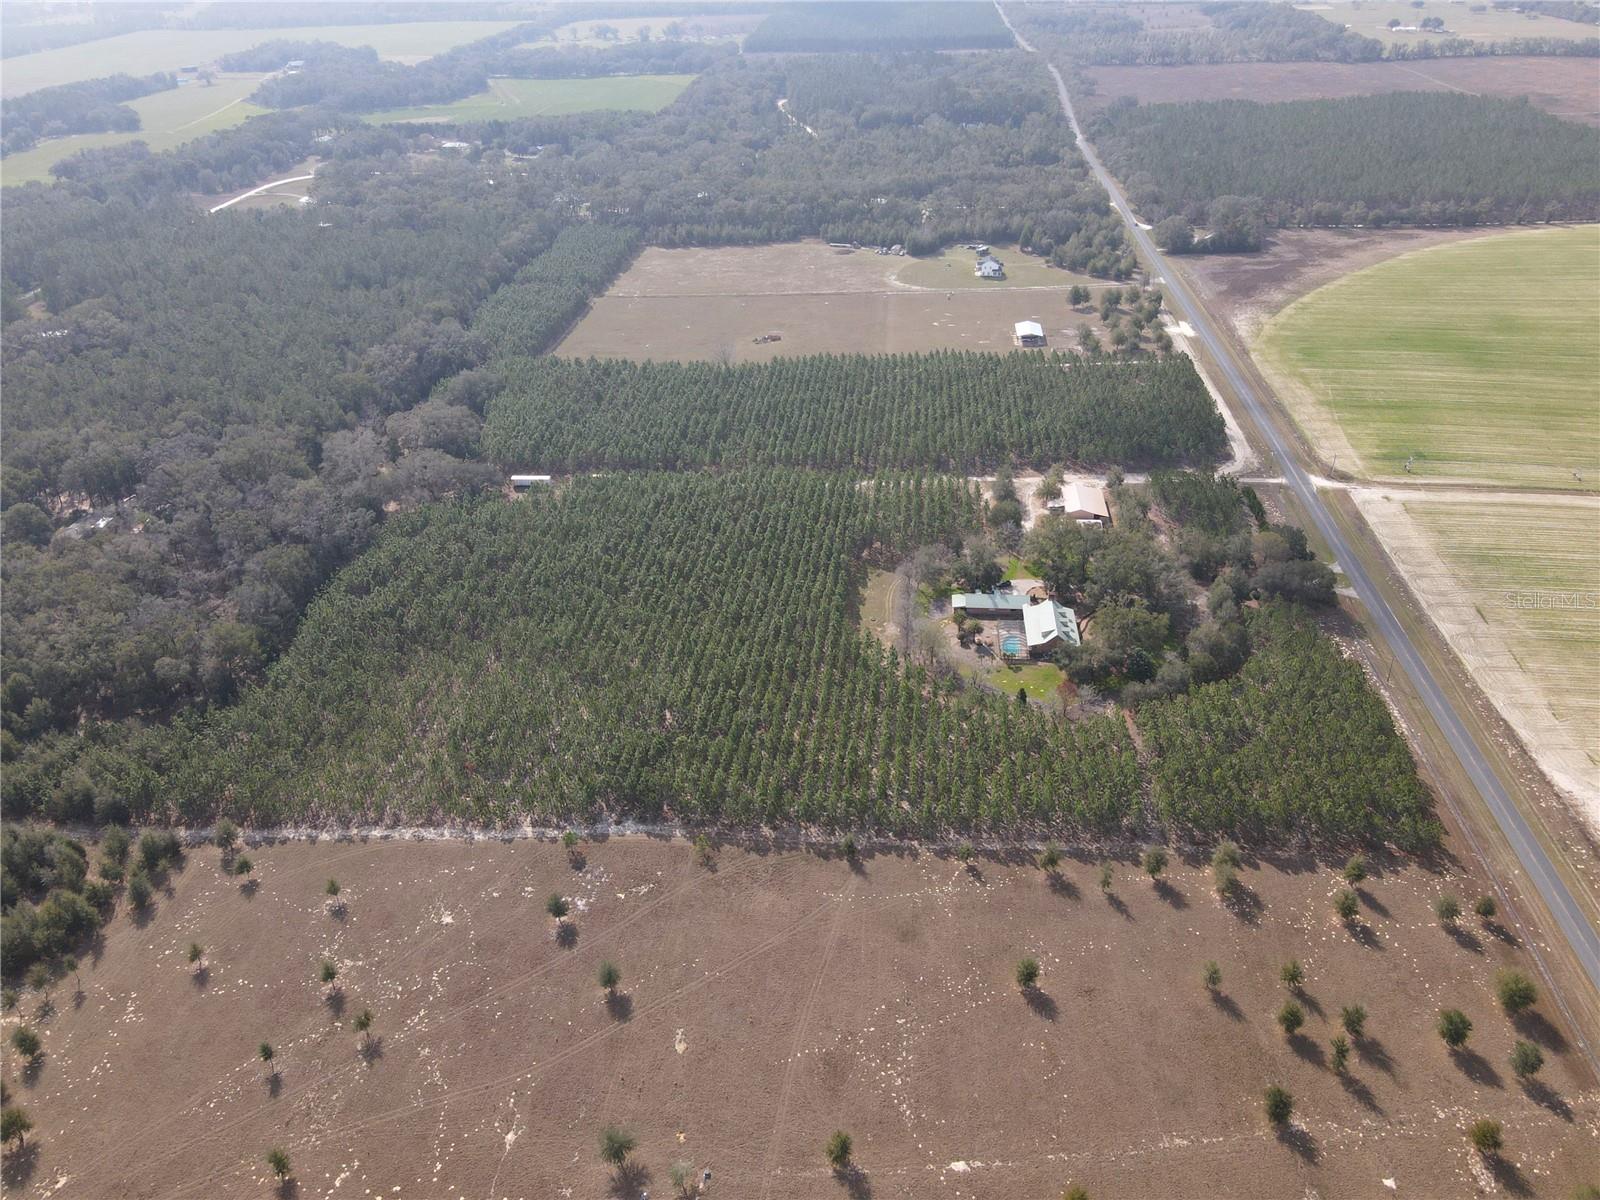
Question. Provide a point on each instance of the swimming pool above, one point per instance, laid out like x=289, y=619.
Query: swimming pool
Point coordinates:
x=1011, y=646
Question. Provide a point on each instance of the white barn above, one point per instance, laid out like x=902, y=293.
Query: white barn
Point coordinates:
x=1029, y=333
x=1081, y=503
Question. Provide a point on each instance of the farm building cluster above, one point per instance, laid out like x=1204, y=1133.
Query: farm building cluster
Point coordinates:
x=1018, y=625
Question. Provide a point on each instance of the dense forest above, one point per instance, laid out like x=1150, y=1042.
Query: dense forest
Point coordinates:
x=94, y=106
x=825, y=25
x=642, y=646
x=1406, y=158
x=952, y=410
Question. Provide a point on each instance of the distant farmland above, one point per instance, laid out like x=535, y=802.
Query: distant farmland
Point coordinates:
x=168, y=120
x=168, y=49
x=507, y=99
x=1474, y=361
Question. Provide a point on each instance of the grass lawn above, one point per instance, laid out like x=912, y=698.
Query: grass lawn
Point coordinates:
x=1532, y=572
x=168, y=49
x=507, y=99
x=1039, y=680
x=953, y=269
x=168, y=119
x=1371, y=20
x=1479, y=357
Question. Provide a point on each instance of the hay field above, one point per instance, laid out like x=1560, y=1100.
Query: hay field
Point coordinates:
x=1515, y=588
x=1477, y=361
x=167, y=119
x=508, y=99
x=168, y=49
x=1371, y=19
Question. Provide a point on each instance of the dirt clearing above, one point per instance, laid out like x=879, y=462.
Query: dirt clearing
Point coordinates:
x=765, y=1003
x=1563, y=87
x=725, y=304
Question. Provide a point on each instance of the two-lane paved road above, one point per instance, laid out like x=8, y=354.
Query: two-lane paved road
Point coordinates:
x=1585, y=939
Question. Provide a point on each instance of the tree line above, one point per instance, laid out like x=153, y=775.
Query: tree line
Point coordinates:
x=1406, y=158
x=949, y=410
x=877, y=25
x=94, y=106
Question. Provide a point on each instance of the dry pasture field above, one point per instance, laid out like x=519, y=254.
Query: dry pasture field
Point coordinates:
x=713, y=304
x=769, y=1000
x=1563, y=87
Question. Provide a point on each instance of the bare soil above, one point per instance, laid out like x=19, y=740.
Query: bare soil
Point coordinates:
x=765, y=1003
x=1248, y=289
x=714, y=304
x=1563, y=87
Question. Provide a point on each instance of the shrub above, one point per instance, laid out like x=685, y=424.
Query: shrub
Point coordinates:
x=557, y=906
x=1485, y=1136
x=1485, y=907
x=837, y=1151
x=244, y=866
x=1354, y=1020
x=8, y=998
x=362, y=1023
x=1292, y=974
x=1346, y=904
x=328, y=972
x=1226, y=854
x=704, y=854
x=1154, y=861
x=1355, y=870
x=114, y=843
x=609, y=975
x=226, y=835
x=1049, y=857
x=331, y=888
x=615, y=1145
x=1225, y=877
x=279, y=1162
x=1526, y=1059
x=1211, y=976
x=1280, y=1105
x=848, y=846
x=1105, y=877
x=1454, y=1026
x=139, y=889
x=195, y=952
x=159, y=849
x=15, y=1125
x=1340, y=1054
x=1291, y=1016
x=1447, y=908
x=1515, y=990
x=1027, y=973
x=26, y=1042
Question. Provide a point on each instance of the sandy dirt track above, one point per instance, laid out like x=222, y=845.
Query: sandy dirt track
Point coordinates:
x=766, y=1003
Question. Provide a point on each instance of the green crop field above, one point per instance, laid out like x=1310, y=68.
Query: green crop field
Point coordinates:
x=1371, y=19
x=168, y=49
x=168, y=119
x=1532, y=572
x=1479, y=358
x=507, y=99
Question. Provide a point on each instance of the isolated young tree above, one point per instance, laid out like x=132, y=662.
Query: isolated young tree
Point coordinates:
x=1075, y=1192
x=1280, y=1105
x=965, y=854
x=1485, y=907
x=244, y=867
x=26, y=1043
x=1105, y=877
x=1211, y=976
x=681, y=1176
x=266, y=1053
x=1354, y=1020
x=1027, y=973
x=279, y=1162
x=328, y=972
x=15, y=1125
x=1226, y=854
x=837, y=1151
x=1340, y=1054
x=363, y=1025
x=8, y=998
x=1292, y=974
x=1225, y=877
x=1346, y=904
x=332, y=887
x=1526, y=1059
x=226, y=836
x=704, y=853
x=1447, y=908
x=557, y=907
x=1049, y=858
x=569, y=841
x=848, y=847
x=1355, y=870
x=615, y=1145
x=39, y=979
x=1291, y=1016
x=1486, y=1137
x=1154, y=861
x=1515, y=990
x=1454, y=1026
x=196, y=952
x=610, y=976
